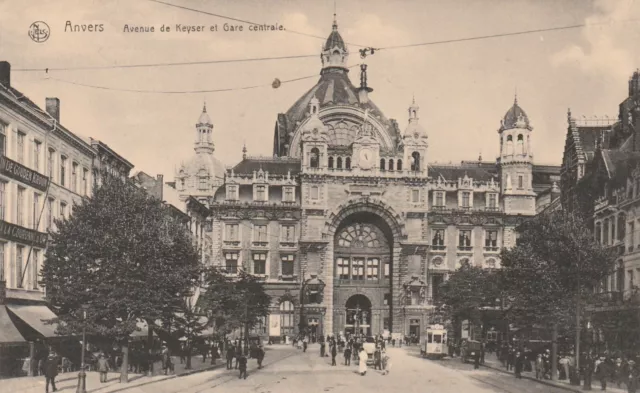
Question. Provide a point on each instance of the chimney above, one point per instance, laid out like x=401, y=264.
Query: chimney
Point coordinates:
x=52, y=107
x=160, y=178
x=160, y=185
x=5, y=73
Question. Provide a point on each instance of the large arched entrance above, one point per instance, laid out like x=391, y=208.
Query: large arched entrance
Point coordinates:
x=363, y=266
x=358, y=312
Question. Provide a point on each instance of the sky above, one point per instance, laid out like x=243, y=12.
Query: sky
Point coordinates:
x=463, y=88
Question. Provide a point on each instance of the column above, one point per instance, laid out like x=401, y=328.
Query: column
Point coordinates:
x=399, y=271
x=327, y=274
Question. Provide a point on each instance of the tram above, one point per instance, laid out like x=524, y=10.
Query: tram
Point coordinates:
x=434, y=344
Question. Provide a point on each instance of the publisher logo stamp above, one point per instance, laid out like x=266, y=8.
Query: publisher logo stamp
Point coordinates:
x=39, y=31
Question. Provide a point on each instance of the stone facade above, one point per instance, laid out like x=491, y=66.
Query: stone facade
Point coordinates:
x=350, y=225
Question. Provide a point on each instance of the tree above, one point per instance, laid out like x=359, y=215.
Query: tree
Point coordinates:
x=122, y=254
x=188, y=325
x=555, y=264
x=468, y=292
x=235, y=301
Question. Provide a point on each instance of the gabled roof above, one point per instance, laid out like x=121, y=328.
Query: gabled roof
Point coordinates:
x=619, y=164
x=480, y=171
x=585, y=139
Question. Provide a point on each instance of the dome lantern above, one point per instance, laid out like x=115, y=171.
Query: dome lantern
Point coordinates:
x=334, y=52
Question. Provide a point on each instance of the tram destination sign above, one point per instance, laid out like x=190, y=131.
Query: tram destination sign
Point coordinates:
x=22, y=235
x=23, y=174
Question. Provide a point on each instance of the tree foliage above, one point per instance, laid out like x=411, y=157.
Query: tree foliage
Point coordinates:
x=120, y=253
x=468, y=291
x=234, y=301
x=556, y=263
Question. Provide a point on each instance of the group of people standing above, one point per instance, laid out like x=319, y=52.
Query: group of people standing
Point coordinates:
x=234, y=350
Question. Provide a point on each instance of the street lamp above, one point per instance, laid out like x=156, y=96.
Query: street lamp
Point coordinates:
x=82, y=376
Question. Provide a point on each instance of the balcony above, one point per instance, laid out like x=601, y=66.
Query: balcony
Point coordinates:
x=492, y=209
x=465, y=248
x=231, y=243
x=438, y=247
x=362, y=283
x=260, y=244
x=491, y=248
x=288, y=244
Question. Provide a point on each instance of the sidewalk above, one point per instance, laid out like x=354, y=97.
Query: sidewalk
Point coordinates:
x=69, y=381
x=491, y=361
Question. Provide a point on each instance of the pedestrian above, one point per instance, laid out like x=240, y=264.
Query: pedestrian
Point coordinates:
x=242, y=366
x=260, y=356
x=238, y=354
x=322, y=348
x=539, y=366
x=51, y=371
x=519, y=364
x=166, y=360
x=476, y=360
x=231, y=353
x=619, y=368
x=602, y=372
x=386, y=364
x=564, y=363
x=334, y=352
x=41, y=365
x=632, y=376
x=347, y=355
x=362, y=369
x=377, y=359
x=587, y=370
x=103, y=367
x=305, y=343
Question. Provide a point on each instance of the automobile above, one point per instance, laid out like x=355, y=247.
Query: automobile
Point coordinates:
x=469, y=349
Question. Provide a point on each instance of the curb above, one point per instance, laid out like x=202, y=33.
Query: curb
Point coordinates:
x=169, y=377
x=569, y=388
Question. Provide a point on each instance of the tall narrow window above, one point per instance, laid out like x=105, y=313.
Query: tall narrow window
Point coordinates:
x=372, y=269
x=357, y=269
x=288, y=194
x=287, y=265
x=231, y=262
x=51, y=162
x=3, y=139
x=50, y=202
x=520, y=181
x=232, y=192
x=315, y=193
x=288, y=233
x=415, y=195
x=399, y=164
x=382, y=164
x=314, y=158
x=85, y=181
x=339, y=163
x=390, y=164
x=261, y=194
x=347, y=162
x=20, y=206
x=259, y=263
x=343, y=268
x=203, y=183
x=35, y=214
x=415, y=161
x=464, y=240
x=2, y=275
x=63, y=170
x=19, y=265
x=63, y=210
x=437, y=242
x=37, y=151
x=35, y=261
x=3, y=199
x=20, y=147
x=74, y=177
x=491, y=240
x=439, y=199
x=493, y=201
x=465, y=199
x=260, y=233
x=387, y=270
x=330, y=163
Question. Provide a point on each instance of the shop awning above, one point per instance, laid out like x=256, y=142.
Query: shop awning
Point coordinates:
x=35, y=316
x=8, y=332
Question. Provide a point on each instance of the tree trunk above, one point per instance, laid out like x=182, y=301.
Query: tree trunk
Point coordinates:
x=188, y=348
x=124, y=369
x=150, y=348
x=554, y=352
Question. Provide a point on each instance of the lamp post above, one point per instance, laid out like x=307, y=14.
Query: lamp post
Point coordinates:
x=82, y=376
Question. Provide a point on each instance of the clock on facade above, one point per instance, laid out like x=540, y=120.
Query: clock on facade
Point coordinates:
x=366, y=159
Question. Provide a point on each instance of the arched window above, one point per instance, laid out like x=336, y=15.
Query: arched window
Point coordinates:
x=347, y=163
x=339, y=163
x=621, y=227
x=520, y=144
x=509, y=145
x=399, y=165
x=415, y=161
x=330, y=162
x=362, y=253
x=314, y=158
x=382, y=164
x=286, y=318
x=390, y=164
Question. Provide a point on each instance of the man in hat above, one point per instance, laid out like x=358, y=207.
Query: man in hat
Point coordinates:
x=103, y=367
x=51, y=370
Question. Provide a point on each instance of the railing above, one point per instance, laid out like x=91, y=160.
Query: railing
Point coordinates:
x=342, y=281
x=438, y=247
x=491, y=248
x=465, y=248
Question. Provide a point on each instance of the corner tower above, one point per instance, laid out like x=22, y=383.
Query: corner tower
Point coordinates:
x=516, y=162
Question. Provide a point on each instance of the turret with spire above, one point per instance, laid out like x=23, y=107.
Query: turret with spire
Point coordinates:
x=204, y=131
x=334, y=52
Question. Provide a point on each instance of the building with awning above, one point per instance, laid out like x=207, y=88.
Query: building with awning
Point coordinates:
x=35, y=319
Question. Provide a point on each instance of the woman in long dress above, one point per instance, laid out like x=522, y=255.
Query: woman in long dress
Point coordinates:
x=363, y=362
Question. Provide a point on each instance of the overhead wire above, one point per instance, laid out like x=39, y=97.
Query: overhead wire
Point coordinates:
x=181, y=91
x=245, y=21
